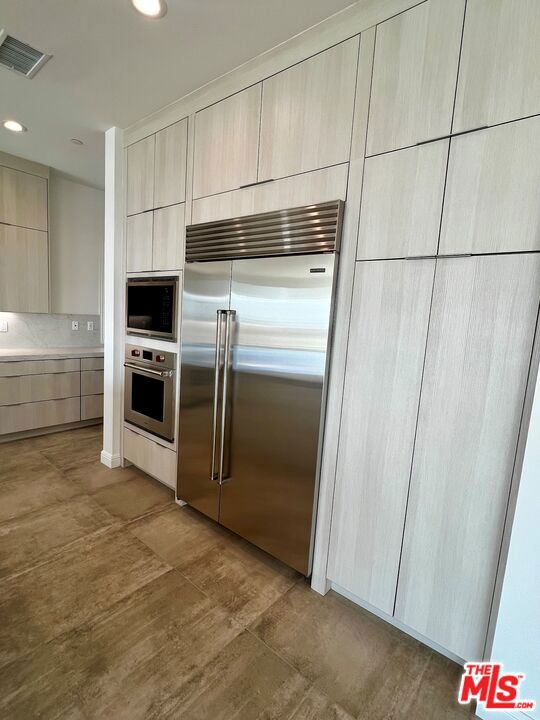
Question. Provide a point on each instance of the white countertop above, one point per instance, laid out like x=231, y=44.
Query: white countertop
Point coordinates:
x=49, y=353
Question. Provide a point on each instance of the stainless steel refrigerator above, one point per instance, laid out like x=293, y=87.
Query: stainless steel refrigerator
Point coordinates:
x=256, y=324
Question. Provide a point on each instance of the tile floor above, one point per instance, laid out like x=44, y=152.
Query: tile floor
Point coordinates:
x=116, y=603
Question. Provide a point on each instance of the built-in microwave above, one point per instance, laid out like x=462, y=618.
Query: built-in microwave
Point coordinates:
x=151, y=307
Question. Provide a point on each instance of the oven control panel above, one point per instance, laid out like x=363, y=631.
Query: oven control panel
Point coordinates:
x=148, y=356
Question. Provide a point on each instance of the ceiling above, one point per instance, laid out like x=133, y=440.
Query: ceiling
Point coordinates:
x=111, y=66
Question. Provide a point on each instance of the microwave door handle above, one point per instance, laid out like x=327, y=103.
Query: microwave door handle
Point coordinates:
x=226, y=371
x=217, y=362
x=159, y=373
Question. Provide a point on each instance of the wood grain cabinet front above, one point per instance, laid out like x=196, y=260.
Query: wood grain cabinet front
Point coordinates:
x=140, y=175
x=414, y=75
x=170, y=165
x=30, y=416
x=385, y=357
x=23, y=199
x=492, y=192
x=139, y=233
x=91, y=382
x=33, y=388
x=168, y=247
x=24, y=270
x=499, y=70
x=226, y=143
x=402, y=200
x=307, y=113
x=477, y=362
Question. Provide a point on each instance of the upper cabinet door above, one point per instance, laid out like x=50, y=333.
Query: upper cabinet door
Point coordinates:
x=140, y=175
x=170, y=165
x=24, y=270
x=23, y=199
x=492, y=191
x=226, y=143
x=168, y=247
x=477, y=361
x=307, y=113
x=414, y=75
x=402, y=201
x=389, y=325
x=499, y=72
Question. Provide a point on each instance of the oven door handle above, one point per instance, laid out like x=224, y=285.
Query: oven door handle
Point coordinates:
x=159, y=373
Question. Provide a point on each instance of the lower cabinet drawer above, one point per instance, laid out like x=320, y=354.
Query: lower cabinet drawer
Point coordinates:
x=92, y=382
x=91, y=407
x=92, y=363
x=147, y=455
x=32, y=388
x=30, y=416
x=13, y=368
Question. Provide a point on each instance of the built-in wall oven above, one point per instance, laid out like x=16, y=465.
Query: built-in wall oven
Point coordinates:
x=151, y=307
x=150, y=390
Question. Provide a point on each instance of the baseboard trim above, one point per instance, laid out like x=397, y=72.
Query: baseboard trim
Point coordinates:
x=111, y=461
x=397, y=624
x=179, y=502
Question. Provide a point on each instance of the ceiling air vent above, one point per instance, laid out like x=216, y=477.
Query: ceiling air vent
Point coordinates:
x=20, y=57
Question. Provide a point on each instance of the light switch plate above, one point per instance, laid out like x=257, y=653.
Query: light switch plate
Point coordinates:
x=3, y=325
x=90, y=325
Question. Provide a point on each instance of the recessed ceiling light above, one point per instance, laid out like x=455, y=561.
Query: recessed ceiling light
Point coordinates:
x=76, y=141
x=14, y=126
x=150, y=8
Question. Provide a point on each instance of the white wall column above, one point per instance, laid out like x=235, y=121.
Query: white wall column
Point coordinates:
x=113, y=298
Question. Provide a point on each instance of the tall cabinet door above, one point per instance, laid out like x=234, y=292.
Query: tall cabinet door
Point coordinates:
x=227, y=143
x=24, y=270
x=499, y=71
x=206, y=290
x=170, y=165
x=478, y=354
x=390, y=315
x=307, y=113
x=140, y=175
x=414, y=75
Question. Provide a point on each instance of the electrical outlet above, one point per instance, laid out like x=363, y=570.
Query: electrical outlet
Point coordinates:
x=90, y=325
x=74, y=324
x=3, y=325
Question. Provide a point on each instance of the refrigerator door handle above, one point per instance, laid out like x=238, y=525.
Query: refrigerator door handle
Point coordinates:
x=217, y=367
x=224, y=401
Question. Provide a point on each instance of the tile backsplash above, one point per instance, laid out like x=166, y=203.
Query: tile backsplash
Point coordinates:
x=29, y=330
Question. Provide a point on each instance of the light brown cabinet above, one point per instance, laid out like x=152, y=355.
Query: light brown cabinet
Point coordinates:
x=477, y=361
x=170, y=165
x=226, y=143
x=492, y=192
x=168, y=247
x=24, y=270
x=402, y=200
x=23, y=199
x=156, y=240
x=307, y=113
x=385, y=357
x=414, y=75
x=499, y=71
x=139, y=231
x=140, y=175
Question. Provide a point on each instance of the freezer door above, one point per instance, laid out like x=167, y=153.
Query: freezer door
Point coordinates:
x=279, y=348
x=206, y=293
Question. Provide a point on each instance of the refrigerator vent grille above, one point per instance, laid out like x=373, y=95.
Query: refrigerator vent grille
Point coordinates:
x=299, y=231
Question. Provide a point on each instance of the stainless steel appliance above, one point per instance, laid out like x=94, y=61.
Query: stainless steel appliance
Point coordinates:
x=149, y=390
x=257, y=311
x=151, y=307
